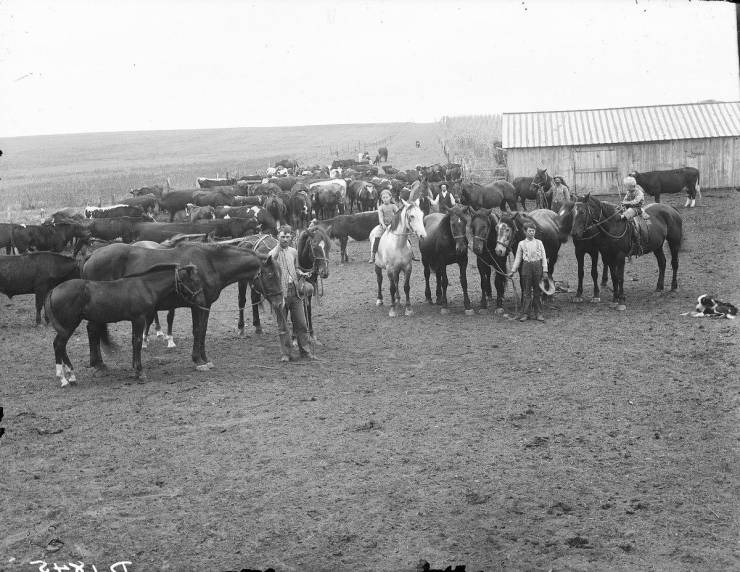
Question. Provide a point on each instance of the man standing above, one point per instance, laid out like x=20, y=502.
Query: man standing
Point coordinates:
x=287, y=259
x=444, y=199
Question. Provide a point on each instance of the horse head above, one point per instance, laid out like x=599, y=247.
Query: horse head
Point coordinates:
x=541, y=181
x=268, y=282
x=189, y=286
x=459, y=218
x=505, y=232
x=313, y=251
x=481, y=223
x=413, y=218
x=583, y=216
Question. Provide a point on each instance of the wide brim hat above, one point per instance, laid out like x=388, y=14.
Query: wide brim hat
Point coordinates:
x=547, y=285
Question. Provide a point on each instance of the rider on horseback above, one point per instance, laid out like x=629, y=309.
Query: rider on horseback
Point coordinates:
x=632, y=204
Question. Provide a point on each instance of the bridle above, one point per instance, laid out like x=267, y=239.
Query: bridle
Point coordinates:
x=185, y=292
x=259, y=280
x=600, y=221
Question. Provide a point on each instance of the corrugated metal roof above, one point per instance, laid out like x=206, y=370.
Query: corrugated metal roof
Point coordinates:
x=621, y=125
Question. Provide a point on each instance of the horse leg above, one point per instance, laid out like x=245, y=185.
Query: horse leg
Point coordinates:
x=60, y=347
x=485, y=284
x=256, y=298
x=500, y=283
x=407, y=291
x=674, y=264
x=157, y=326
x=660, y=256
x=580, y=256
x=464, y=284
x=619, y=266
x=241, y=301
x=197, y=353
x=170, y=321
x=137, y=331
x=309, y=319
x=379, y=276
x=442, y=284
x=393, y=286
x=93, y=338
x=343, y=248
x=595, y=276
x=427, y=289
x=40, y=295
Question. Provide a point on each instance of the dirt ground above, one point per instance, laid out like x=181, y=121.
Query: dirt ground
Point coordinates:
x=600, y=440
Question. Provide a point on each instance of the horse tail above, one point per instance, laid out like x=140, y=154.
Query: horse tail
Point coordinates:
x=698, y=187
x=49, y=312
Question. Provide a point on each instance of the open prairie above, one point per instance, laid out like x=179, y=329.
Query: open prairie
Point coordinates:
x=599, y=440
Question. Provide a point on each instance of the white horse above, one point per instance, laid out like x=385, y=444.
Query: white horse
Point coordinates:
x=394, y=253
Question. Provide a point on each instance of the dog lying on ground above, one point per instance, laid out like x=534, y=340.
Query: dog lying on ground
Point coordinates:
x=709, y=307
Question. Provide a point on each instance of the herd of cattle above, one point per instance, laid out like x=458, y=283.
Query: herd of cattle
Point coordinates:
x=341, y=197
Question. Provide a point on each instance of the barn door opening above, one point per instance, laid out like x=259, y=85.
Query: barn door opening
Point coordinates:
x=595, y=170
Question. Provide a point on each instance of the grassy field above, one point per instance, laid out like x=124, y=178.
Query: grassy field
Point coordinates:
x=54, y=171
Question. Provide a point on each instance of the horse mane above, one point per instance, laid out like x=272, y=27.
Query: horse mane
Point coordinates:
x=395, y=223
x=609, y=209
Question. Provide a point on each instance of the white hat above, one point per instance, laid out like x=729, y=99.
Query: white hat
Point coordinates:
x=547, y=285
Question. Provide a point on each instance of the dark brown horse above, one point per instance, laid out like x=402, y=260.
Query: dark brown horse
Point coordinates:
x=446, y=243
x=219, y=265
x=261, y=244
x=313, y=246
x=483, y=228
x=590, y=243
x=130, y=299
x=540, y=187
x=664, y=224
x=499, y=194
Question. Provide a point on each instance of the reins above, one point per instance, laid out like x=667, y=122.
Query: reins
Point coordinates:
x=189, y=295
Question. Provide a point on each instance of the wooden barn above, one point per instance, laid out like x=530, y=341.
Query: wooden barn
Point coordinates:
x=594, y=149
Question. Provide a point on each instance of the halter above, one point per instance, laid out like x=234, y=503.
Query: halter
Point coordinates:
x=258, y=278
x=185, y=292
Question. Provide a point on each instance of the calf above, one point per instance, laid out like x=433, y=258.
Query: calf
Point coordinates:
x=195, y=213
x=35, y=273
x=114, y=211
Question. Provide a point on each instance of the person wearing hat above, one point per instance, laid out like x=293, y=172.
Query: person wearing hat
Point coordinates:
x=386, y=211
x=634, y=200
x=444, y=200
x=559, y=193
x=530, y=255
x=287, y=259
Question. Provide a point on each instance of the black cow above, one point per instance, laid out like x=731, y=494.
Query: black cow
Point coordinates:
x=36, y=273
x=221, y=228
x=114, y=228
x=343, y=163
x=205, y=183
x=383, y=154
x=357, y=226
x=113, y=211
x=176, y=201
x=148, y=203
x=217, y=198
x=673, y=181
x=51, y=237
x=6, y=236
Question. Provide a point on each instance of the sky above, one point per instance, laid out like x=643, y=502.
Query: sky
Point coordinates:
x=72, y=66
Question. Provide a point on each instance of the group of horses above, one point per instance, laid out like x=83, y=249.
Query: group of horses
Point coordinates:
x=131, y=282
x=595, y=227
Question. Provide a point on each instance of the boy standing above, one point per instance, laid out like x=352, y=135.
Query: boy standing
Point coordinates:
x=530, y=255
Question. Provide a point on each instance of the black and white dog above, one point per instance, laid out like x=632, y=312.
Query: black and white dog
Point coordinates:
x=711, y=308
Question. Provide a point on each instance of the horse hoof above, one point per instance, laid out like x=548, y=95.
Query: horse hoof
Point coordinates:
x=171, y=344
x=470, y=312
x=258, y=330
x=160, y=333
x=409, y=312
x=499, y=311
x=595, y=300
x=65, y=382
x=378, y=302
x=141, y=377
x=284, y=359
x=577, y=300
x=210, y=365
x=444, y=311
x=621, y=307
x=240, y=332
x=392, y=313
x=201, y=367
x=144, y=345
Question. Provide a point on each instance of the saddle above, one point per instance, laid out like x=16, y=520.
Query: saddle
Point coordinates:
x=640, y=234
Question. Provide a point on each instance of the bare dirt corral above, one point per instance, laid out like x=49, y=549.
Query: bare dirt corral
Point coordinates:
x=601, y=440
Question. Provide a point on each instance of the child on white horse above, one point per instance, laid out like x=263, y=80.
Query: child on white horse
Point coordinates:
x=386, y=211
